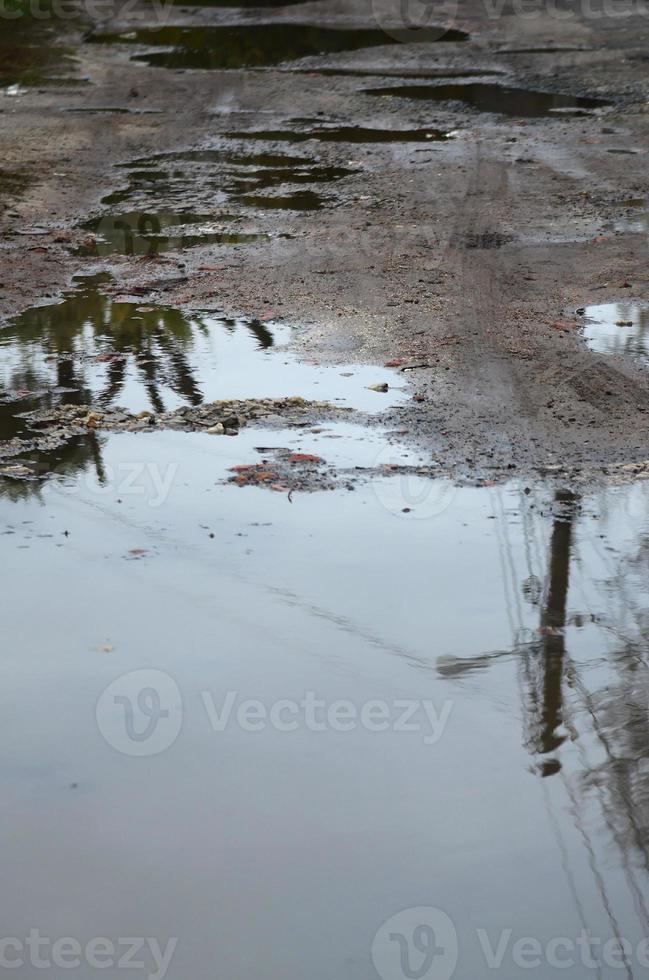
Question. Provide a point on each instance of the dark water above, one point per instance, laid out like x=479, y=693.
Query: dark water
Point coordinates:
x=227, y=177
x=493, y=98
x=12, y=184
x=31, y=54
x=618, y=328
x=248, y=45
x=116, y=110
x=297, y=201
x=551, y=49
x=400, y=72
x=150, y=232
x=226, y=155
x=342, y=134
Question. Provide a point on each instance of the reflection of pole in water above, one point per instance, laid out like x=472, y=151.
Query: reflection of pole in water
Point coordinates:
x=546, y=674
x=553, y=622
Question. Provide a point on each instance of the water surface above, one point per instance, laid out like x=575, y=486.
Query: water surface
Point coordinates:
x=519, y=613
x=94, y=349
x=152, y=232
x=618, y=328
x=488, y=97
x=249, y=45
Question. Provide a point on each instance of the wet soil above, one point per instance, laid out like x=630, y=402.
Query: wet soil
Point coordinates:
x=464, y=255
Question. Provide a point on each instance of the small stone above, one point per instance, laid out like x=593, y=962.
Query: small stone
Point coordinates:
x=216, y=430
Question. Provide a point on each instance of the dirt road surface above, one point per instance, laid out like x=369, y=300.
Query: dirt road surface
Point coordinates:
x=465, y=256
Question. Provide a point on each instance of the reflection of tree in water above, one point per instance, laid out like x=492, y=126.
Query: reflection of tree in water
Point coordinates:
x=154, y=339
x=630, y=340
x=158, y=341
x=70, y=460
x=607, y=727
x=62, y=354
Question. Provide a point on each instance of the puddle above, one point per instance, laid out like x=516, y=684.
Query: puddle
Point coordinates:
x=399, y=72
x=219, y=177
x=116, y=110
x=12, y=184
x=221, y=156
x=552, y=49
x=30, y=55
x=517, y=614
x=343, y=134
x=150, y=233
x=250, y=45
x=300, y=201
x=91, y=349
x=495, y=98
x=618, y=328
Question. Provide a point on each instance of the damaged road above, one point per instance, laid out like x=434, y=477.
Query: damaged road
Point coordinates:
x=323, y=396
x=463, y=254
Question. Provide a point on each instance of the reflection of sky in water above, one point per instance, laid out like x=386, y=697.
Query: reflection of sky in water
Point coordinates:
x=618, y=328
x=527, y=612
